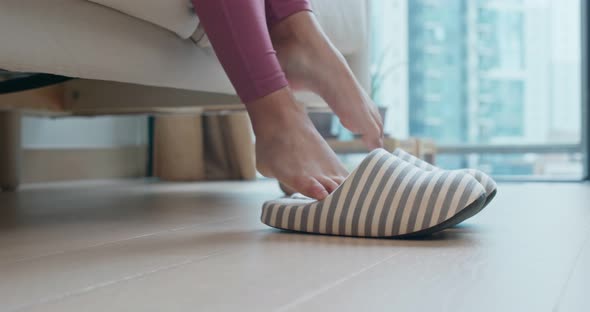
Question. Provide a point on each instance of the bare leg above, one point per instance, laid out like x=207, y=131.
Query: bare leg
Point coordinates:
x=311, y=62
x=287, y=145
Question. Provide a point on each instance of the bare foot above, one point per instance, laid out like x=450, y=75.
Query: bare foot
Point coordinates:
x=311, y=62
x=289, y=148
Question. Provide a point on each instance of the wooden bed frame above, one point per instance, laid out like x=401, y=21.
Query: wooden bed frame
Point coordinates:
x=82, y=97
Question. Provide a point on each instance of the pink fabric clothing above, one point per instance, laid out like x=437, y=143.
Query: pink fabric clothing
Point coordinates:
x=239, y=33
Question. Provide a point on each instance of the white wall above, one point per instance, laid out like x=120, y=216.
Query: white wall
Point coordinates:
x=84, y=132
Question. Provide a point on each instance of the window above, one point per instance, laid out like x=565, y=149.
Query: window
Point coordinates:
x=509, y=100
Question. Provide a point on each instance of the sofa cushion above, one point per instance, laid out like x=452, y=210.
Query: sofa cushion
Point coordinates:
x=174, y=15
x=81, y=39
x=341, y=22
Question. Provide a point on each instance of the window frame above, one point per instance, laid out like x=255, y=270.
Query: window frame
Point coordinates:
x=585, y=34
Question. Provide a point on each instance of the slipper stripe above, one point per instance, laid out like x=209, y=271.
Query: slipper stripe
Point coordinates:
x=299, y=218
x=485, y=180
x=442, y=198
x=350, y=216
x=358, y=226
x=379, y=222
x=418, y=213
x=360, y=177
x=309, y=217
x=394, y=221
x=465, y=197
x=410, y=202
x=460, y=190
x=390, y=176
x=433, y=200
x=450, y=195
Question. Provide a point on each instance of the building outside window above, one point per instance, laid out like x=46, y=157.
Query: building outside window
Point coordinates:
x=497, y=84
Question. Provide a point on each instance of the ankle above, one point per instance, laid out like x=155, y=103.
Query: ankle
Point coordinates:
x=274, y=112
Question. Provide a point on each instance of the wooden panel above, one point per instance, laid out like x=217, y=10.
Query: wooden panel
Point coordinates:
x=98, y=97
x=38, y=101
x=107, y=97
x=95, y=97
x=156, y=110
x=428, y=151
x=410, y=145
x=357, y=145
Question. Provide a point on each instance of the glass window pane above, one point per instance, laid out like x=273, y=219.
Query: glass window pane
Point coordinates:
x=481, y=72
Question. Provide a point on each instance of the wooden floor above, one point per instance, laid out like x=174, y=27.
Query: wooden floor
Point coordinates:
x=141, y=246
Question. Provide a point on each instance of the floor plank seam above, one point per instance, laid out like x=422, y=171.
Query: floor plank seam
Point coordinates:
x=115, y=242
x=573, y=267
x=95, y=287
x=306, y=297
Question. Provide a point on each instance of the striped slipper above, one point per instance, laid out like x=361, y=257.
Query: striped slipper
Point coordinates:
x=383, y=197
x=485, y=180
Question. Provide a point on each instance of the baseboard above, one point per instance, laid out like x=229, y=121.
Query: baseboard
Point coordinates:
x=47, y=165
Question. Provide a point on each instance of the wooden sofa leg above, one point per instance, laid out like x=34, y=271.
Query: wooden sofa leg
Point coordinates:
x=10, y=150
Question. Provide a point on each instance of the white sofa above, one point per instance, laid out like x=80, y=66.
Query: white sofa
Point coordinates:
x=142, y=53
x=145, y=42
